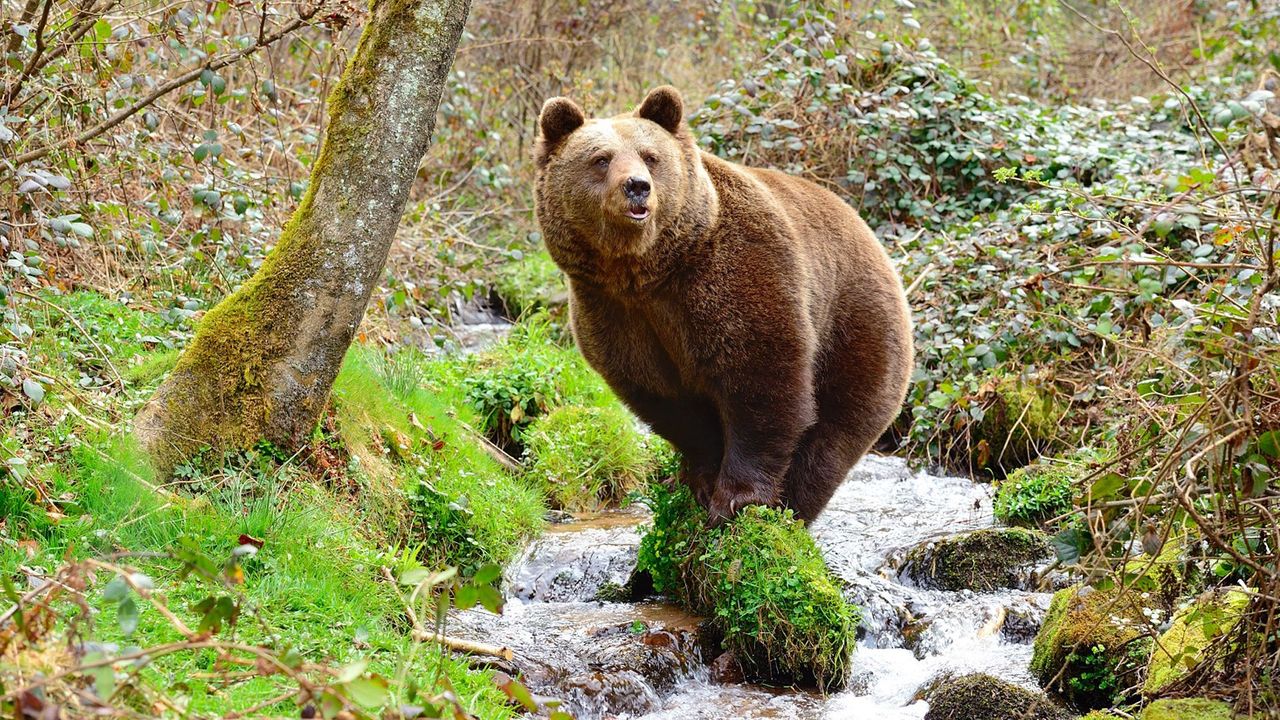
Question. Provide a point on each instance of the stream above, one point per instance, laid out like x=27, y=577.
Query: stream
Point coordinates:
x=629, y=661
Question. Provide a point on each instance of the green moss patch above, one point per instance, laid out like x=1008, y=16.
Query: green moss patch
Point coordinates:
x=983, y=697
x=586, y=458
x=762, y=583
x=1188, y=709
x=1182, y=646
x=1093, y=646
x=1019, y=421
x=982, y=560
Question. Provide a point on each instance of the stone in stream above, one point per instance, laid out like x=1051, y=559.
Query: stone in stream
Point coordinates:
x=981, y=560
x=1094, y=645
x=983, y=697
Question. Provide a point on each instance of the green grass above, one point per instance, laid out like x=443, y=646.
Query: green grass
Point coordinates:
x=584, y=458
x=530, y=284
x=762, y=582
x=315, y=584
x=416, y=445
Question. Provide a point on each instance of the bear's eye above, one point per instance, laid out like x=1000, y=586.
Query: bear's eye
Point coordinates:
x=601, y=161
x=650, y=159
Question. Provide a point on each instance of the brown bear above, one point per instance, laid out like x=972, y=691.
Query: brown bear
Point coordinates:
x=749, y=317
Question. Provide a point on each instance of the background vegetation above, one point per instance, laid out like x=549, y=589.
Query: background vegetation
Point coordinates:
x=1082, y=198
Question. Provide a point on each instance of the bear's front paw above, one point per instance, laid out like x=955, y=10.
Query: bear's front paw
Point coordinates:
x=727, y=500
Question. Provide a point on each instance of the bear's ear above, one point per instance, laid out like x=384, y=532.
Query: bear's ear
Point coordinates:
x=559, y=117
x=664, y=106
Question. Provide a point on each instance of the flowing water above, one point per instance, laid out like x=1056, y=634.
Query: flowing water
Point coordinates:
x=642, y=660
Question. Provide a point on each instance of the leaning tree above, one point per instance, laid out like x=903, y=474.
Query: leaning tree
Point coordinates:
x=264, y=359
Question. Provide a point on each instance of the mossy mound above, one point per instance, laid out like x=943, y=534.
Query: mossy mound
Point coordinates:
x=983, y=697
x=1188, y=709
x=1031, y=496
x=586, y=458
x=1093, y=646
x=530, y=284
x=527, y=374
x=1101, y=715
x=982, y=560
x=761, y=582
x=1019, y=421
x=1182, y=646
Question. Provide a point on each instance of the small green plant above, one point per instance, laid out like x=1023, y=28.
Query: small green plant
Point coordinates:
x=762, y=582
x=1034, y=494
x=583, y=458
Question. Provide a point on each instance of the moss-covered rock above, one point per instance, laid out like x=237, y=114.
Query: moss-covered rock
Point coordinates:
x=761, y=582
x=1102, y=715
x=1182, y=646
x=981, y=560
x=983, y=697
x=1093, y=646
x=1188, y=709
x=586, y=458
x=1020, y=419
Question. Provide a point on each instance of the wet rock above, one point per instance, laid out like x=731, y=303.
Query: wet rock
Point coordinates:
x=1093, y=645
x=982, y=560
x=1188, y=709
x=726, y=670
x=575, y=562
x=983, y=697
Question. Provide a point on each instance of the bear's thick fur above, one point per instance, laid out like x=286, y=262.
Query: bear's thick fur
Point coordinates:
x=749, y=317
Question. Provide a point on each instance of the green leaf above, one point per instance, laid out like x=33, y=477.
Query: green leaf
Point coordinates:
x=127, y=615
x=116, y=590
x=487, y=574
x=467, y=597
x=369, y=692
x=352, y=671
x=1067, y=544
x=33, y=389
x=1106, y=486
x=1269, y=444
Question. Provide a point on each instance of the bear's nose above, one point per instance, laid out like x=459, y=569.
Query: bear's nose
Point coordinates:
x=636, y=188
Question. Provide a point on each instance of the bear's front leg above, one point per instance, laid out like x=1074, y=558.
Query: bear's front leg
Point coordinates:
x=763, y=426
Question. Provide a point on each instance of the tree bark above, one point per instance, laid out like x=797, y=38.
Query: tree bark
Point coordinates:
x=263, y=360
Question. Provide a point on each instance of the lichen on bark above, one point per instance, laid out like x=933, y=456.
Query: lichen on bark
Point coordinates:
x=263, y=360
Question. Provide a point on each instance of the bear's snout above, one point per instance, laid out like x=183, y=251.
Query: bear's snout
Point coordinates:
x=637, y=189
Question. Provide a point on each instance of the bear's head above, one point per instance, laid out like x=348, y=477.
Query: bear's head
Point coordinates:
x=614, y=186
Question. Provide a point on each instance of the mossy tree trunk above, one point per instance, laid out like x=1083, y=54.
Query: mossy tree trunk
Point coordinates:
x=263, y=360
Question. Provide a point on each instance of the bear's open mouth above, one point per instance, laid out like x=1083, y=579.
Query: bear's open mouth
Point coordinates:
x=637, y=212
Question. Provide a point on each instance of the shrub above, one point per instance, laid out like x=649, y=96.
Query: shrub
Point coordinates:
x=524, y=376
x=583, y=458
x=760, y=580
